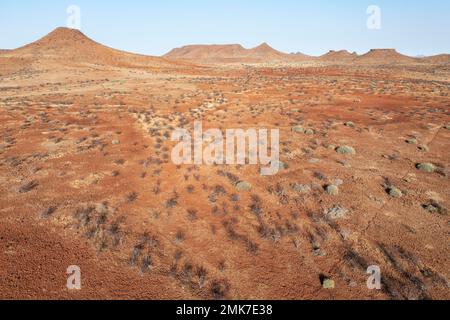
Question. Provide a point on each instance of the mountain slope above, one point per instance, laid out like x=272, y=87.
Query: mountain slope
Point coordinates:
x=231, y=53
x=438, y=59
x=338, y=56
x=69, y=46
x=385, y=56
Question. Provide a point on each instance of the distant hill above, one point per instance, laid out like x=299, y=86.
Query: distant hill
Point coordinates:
x=438, y=59
x=69, y=46
x=232, y=53
x=65, y=46
x=385, y=56
x=339, y=56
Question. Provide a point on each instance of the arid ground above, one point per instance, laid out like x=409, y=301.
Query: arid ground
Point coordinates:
x=86, y=176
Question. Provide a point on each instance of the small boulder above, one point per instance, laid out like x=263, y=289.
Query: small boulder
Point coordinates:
x=298, y=129
x=332, y=190
x=349, y=124
x=301, y=188
x=336, y=212
x=243, y=186
x=426, y=167
x=346, y=150
x=328, y=284
x=395, y=192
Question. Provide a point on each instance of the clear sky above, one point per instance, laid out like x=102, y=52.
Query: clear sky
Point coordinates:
x=414, y=27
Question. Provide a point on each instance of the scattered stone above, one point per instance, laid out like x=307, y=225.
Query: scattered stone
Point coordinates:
x=395, y=192
x=349, y=124
x=309, y=132
x=313, y=160
x=301, y=188
x=424, y=148
x=336, y=212
x=243, y=186
x=298, y=129
x=411, y=141
x=101, y=208
x=426, y=167
x=332, y=190
x=345, y=150
x=318, y=252
x=115, y=142
x=338, y=182
x=331, y=147
x=434, y=207
x=328, y=284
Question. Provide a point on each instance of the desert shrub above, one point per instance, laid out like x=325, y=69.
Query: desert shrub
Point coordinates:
x=251, y=246
x=256, y=206
x=279, y=191
x=131, y=197
x=435, y=207
x=83, y=215
x=119, y=161
x=172, y=202
x=201, y=273
x=219, y=289
x=320, y=176
x=222, y=265
x=355, y=260
x=157, y=188
x=47, y=213
x=28, y=186
x=180, y=236
x=178, y=255
x=146, y=264
x=187, y=272
x=219, y=190
x=135, y=255
x=192, y=214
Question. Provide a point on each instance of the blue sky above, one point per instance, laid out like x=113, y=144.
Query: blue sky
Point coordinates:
x=413, y=27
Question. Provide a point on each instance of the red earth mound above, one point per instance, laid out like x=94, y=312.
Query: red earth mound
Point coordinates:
x=72, y=46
